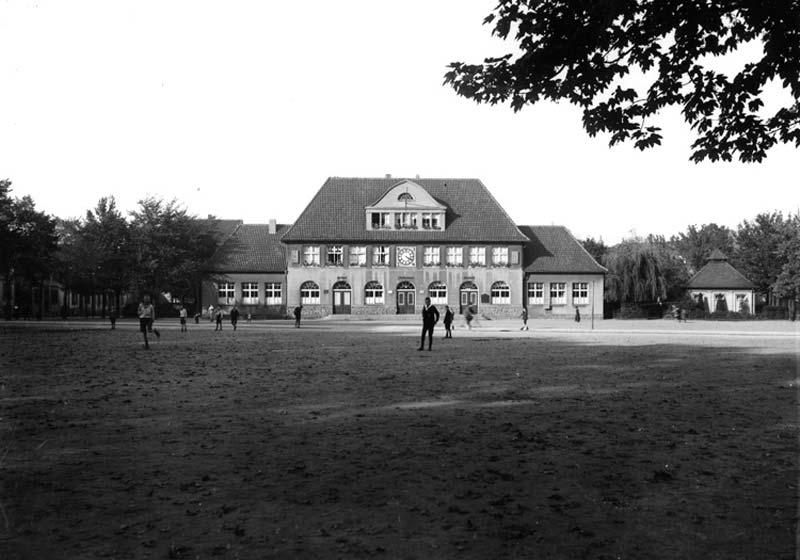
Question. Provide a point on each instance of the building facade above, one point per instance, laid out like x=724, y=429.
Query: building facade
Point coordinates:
x=719, y=287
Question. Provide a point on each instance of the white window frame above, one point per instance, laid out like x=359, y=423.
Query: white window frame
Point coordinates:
x=406, y=220
x=437, y=291
x=580, y=293
x=335, y=255
x=226, y=292
x=500, y=256
x=431, y=256
x=477, y=256
x=380, y=255
x=501, y=293
x=309, y=293
x=273, y=293
x=374, y=293
x=536, y=293
x=358, y=256
x=311, y=255
x=558, y=293
x=455, y=256
x=380, y=220
x=249, y=293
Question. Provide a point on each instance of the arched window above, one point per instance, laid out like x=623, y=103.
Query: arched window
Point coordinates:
x=309, y=293
x=501, y=293
x=373, y=293
x=405, y=285
x=437, y=291
x=405, y=197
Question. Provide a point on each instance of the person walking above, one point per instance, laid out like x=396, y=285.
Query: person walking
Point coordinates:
x=183, y=314
x=218, y=319
x=234, y=316
x=147, y=314
x=524, y=326
x=468, y=317
x=298, y=312
x=577, y=314
x=448, y=322
x=430, y=316
x=112, y=316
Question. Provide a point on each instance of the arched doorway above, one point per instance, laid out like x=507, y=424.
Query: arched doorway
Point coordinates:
x=342, y=298
x=468, y=297
x=406, y=298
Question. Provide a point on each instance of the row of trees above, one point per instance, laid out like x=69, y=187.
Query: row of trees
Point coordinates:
x=646, y=270
x=158, y=248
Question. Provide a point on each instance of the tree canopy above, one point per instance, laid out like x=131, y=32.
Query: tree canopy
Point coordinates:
x=590, y=52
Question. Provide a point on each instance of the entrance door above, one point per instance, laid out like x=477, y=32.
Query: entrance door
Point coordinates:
x=405, y=298
x=342, y=298
x=468, y=297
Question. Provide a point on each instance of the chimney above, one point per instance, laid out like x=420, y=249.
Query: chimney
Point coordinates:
x=388, y=175
x=272, y=227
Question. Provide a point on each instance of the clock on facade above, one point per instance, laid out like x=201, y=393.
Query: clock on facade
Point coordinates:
x=406, y=256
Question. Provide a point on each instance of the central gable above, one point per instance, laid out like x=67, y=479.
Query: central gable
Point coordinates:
x=406, y=195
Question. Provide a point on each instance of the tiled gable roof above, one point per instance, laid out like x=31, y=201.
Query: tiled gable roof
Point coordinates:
x=718, y=274
x=252, y=248
x=337, y=213
x=553, y=249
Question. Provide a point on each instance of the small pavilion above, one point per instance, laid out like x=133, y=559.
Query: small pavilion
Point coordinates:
x=718, y=286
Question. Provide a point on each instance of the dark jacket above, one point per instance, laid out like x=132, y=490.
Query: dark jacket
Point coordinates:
x=430, y=316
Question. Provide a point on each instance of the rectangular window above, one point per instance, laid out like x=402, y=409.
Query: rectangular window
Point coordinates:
x=477, y=256
x=580, y=293
x=373, y=294
x=455, y=256
x=558, y=293
x=514, y=257
x=405, y=220
x=250, y=293
x=431, y=257
x=358, y=256
x=500, y=256
x=501, y=294
x=309, y=294
x=431, y=220
x=380, y=255
x=311, y=255
x=272, y=293
x=380, y=220
x=226, y=292
x=536, y=293
x=335, y=255
x=438, y=293
x=295, y=256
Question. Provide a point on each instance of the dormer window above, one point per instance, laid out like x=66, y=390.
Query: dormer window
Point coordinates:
x=405, y=206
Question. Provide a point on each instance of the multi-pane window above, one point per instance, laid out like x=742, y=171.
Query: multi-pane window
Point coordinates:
x=500, y=256
x=405, y=220
x=309, y=293
x=380, y=255
x=335, y=255
x=477, y=256
x=250, y=293
x=536, y=293
x=437, y=291
x=430, y=256
x=558, y=293
x=311, y=255
x=358, y=256
x=580, y=293
x=272, y=293
x=501, y=293
x=431, y=220
x=373, y=293
x=380, y=220
x=226, y=292
x=455, y=256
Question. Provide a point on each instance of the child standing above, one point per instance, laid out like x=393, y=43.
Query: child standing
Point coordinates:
x=448, y=322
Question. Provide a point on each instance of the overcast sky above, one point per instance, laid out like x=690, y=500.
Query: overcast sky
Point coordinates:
x=242, y=109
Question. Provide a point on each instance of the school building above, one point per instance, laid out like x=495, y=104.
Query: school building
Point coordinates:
x=380, y=246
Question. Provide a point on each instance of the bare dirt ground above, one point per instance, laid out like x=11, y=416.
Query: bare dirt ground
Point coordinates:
x=340, y=440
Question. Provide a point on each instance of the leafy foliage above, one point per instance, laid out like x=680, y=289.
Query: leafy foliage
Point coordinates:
x=585, y=51
x=758, y=249
x=696, y=244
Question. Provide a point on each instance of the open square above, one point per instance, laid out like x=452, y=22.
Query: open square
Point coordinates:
x=338, y=440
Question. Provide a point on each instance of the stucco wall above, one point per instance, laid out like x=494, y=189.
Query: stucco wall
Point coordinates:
x=548, y=309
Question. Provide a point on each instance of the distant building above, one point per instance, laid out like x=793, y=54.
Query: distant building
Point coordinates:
x=718, y=286
x=380, y=246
